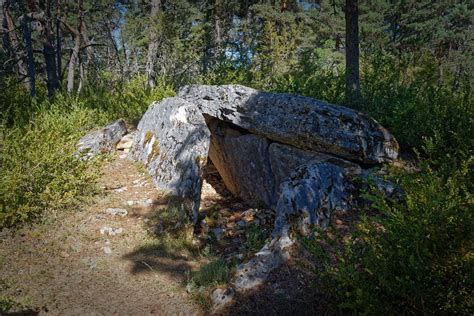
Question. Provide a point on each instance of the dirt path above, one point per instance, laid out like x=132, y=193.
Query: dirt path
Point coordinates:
x=66, y=266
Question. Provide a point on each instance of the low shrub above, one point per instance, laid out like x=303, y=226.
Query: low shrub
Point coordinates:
x=411, y=259
x=38, y=169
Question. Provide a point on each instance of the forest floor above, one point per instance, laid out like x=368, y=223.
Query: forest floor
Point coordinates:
x=88, y=261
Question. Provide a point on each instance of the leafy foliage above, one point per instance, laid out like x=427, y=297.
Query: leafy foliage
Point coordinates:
x=411, y=259
x=37, y=145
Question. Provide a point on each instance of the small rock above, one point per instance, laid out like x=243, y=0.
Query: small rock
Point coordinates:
x=222, y=297
x=116, y=231
x=126, y=142
x=145, y=203
x=110, y=231
x=101, y=141
x=104, y=230
x=123, y=156
x=117, y=212
x=107, y=250
x=120, y=190
x=218, y=233
x=130, y=203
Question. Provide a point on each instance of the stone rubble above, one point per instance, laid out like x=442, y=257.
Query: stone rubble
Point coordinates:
x=117, y=212
x=110, y=231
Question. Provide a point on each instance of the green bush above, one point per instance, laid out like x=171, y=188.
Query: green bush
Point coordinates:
x=432, y=114
x=411, y=259
x=38, y=169
x=127, y=100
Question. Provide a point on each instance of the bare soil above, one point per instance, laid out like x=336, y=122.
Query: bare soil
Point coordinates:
x=61, y=267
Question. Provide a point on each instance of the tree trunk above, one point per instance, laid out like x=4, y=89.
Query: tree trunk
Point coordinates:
x=352, y=54
x=47, y=38
x=14, y=46
x=58, y=41
x=153, y=45
x=52, y=81
x=3, y=27
x=73, y=61
x=89, y=49
x=25, y=25
x=218, y=36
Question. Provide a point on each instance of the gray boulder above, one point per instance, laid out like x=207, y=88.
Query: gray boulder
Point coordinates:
x=243, y=163
x=313, y=191
x=172, y=141
x=101, y=141
x=299, y=121
x=253, y=168
x=257, y=270
x=284, y=160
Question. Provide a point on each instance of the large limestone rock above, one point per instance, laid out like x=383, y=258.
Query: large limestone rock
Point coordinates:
x=172, y=140
x=313, y=191
x=253, y=168
x=284, y=160
x=299, y=121
x=243, y=163
x=101, y=141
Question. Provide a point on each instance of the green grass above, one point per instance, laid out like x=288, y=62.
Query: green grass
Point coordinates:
x=212, y=273
x=255, y=238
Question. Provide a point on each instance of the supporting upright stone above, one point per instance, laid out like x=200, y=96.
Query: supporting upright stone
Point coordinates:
x=172, y=141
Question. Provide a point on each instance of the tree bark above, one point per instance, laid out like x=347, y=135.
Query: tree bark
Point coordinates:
x=58, y=42
x=153, y=45
x=25, y=25
x=14, y=46
x=47, y=38
x=73, y=60
x=352, y=53
x=3, y=27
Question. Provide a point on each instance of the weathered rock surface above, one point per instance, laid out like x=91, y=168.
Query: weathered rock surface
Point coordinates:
x=243, y=163
x=257, y=270
x=254, y=169
x=222, y=297
x=172, y=141
x=313, y=191
x=126, y=142
x=101, y=141
x=284, y=160
x=299, y=121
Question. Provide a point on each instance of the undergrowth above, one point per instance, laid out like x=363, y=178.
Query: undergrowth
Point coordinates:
x=37, y=144
x=413, y=258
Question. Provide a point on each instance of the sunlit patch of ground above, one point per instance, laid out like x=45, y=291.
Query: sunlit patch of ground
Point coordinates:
x=64, y=266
